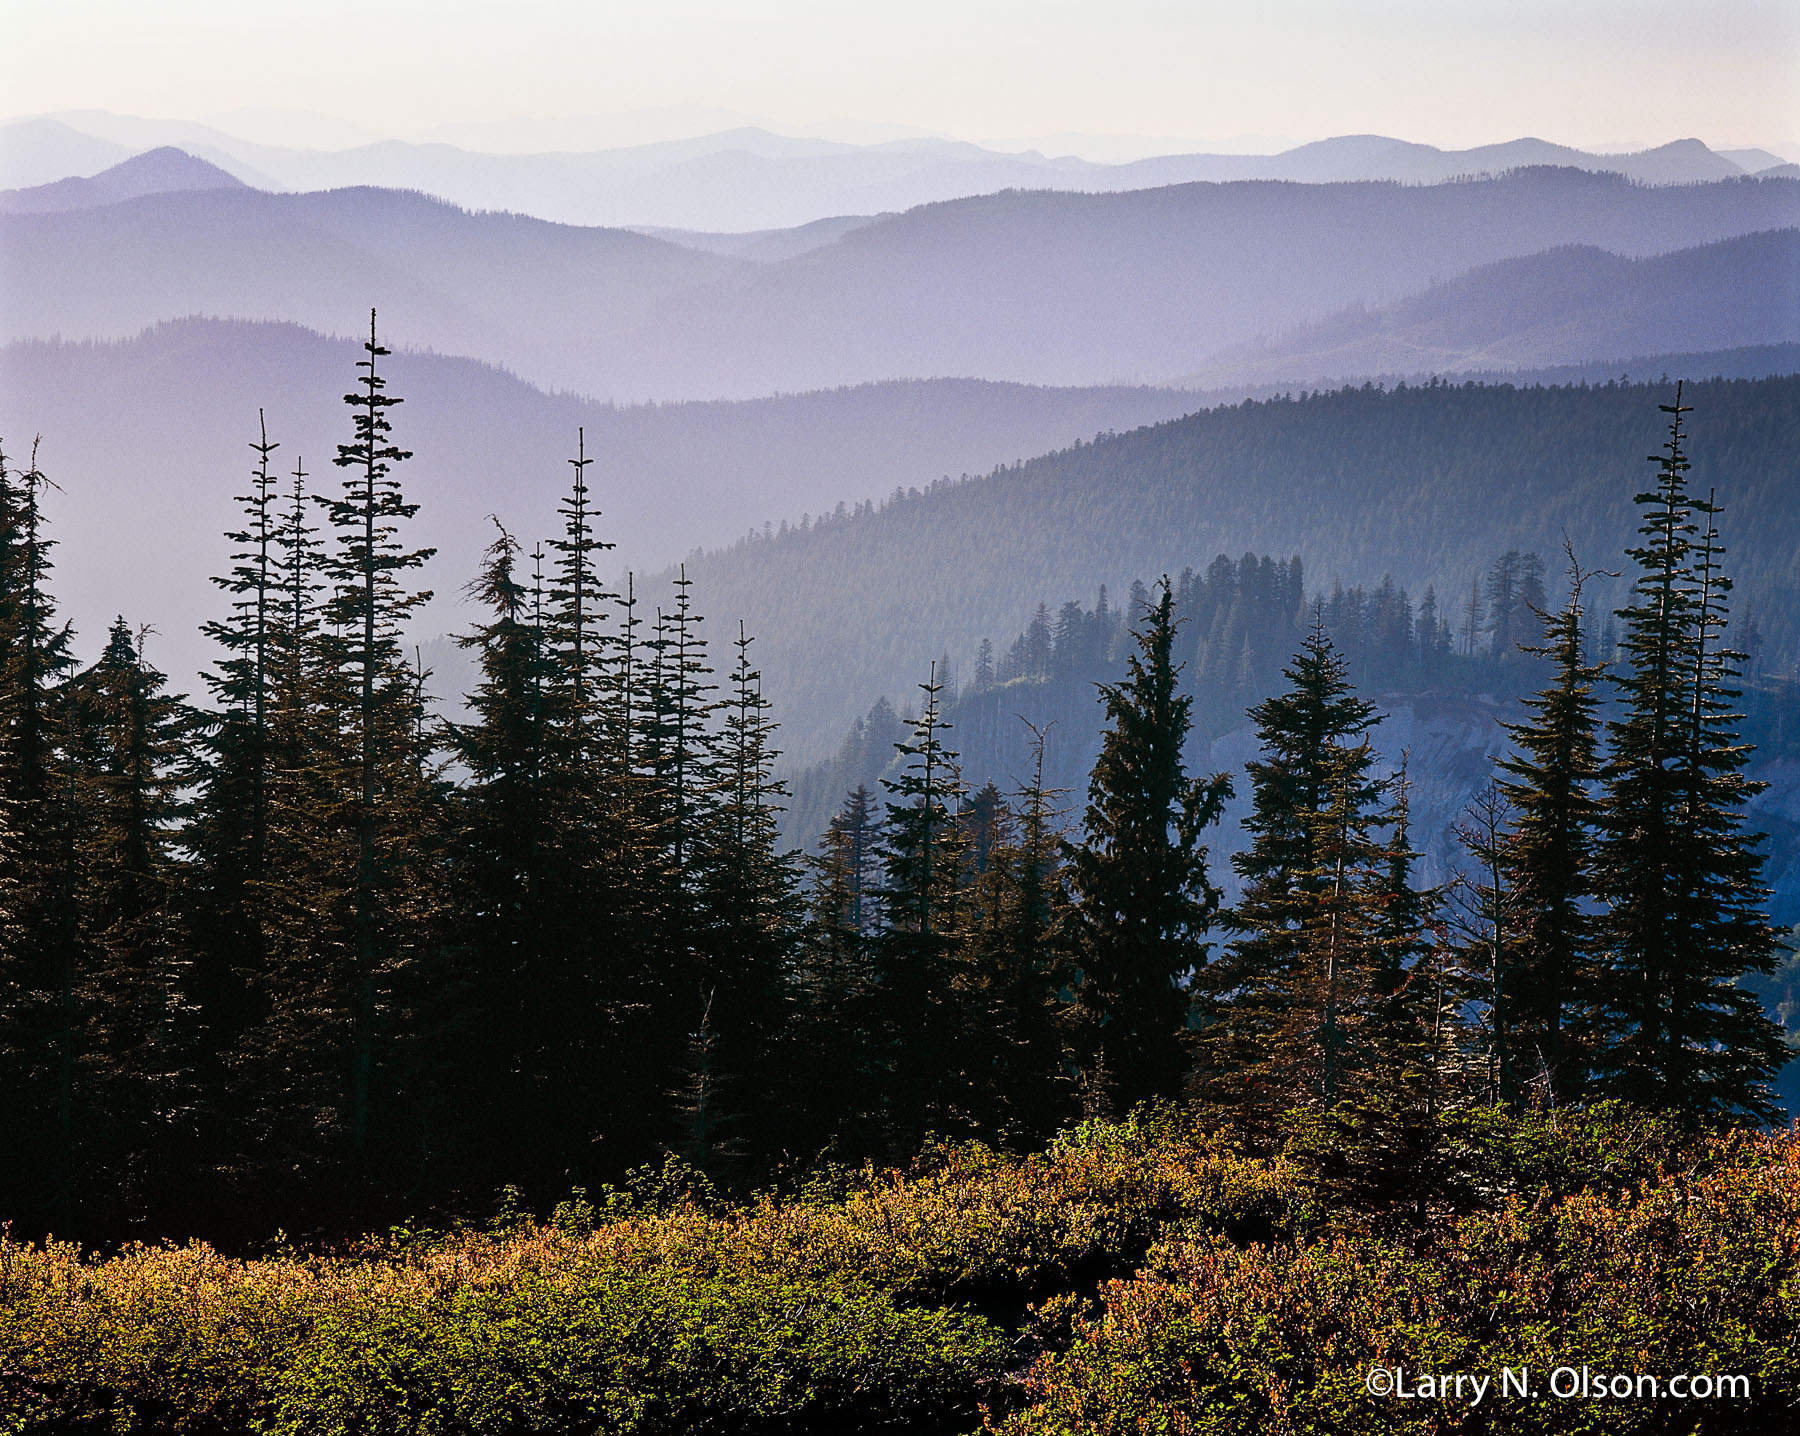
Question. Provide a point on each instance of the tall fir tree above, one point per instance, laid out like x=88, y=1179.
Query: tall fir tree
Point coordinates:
x=234, y=779
x=580, y=599
x=676, y=749
x=1139, y=875
x=135, y=1092
x=284, y=1091
x=1486, y=917
x=602, y=1071
x=1550, y=782
x=38, y=965
x=747, y=921
x=1386, y=1150
x=1016, y=968
x=488, y=1061
x=637, y=947
x=1282, y=998
x=386, y=810
x=835, y=986
x=1682, y=877
x=919, y=1026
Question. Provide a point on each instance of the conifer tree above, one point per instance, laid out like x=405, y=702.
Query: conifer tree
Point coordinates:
x=602, y=870
x=1486, y=917
x=919, y=1028
x=835, y=987
x=38, y=964
x=283, y=1098
x=1474, y=620
x=1386, y=1143
x=675, y=751
x=1015, y=969
x=637, y=947
x=1144, y=898
x=1284, y=991
x=1687, y=911
x=489, y=1057
x=679, y=746
x=746, y=921
x=1550, y=786
x=235, y=781
x=1340, y=941
x=385, y=811
x=134, y=1094
x=580, y=598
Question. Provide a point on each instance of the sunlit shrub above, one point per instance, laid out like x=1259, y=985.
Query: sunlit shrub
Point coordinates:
x=1138, y=1276
x=1692, y=1270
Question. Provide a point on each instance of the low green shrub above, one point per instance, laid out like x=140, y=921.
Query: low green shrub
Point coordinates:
x=1138, y=1276
x=1688, y=1270
x=597, y=1349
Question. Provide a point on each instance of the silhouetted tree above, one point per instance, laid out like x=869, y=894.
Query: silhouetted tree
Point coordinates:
x=385, y=804
x=1279, y=998
x=919, y=1026
x=1145, y=900
x=1550, y=786
x=1687, y=911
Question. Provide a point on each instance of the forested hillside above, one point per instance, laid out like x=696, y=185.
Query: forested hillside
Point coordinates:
x=306, y=937
x=1425, y=484
x=957, y=719
x=1446, y=674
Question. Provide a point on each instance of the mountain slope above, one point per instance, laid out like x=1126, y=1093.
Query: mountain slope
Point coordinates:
x=1428, y=484
x=447, y=279
x=1560, y=307
x=42, y=151
x=1060, y=288
x=1378, y=157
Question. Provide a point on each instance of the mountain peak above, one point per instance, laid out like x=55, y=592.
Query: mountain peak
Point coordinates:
x=164, y=170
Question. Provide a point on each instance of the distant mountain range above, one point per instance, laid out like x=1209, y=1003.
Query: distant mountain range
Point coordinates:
x=749, y=179
x=1040, y=288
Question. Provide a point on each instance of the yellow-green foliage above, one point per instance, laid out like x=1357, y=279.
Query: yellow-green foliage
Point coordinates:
x=1690, y=1269
x=1138, y=1276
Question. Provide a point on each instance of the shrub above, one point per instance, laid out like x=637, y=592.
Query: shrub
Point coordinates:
x=1141, y=1276
x=1688, y=1271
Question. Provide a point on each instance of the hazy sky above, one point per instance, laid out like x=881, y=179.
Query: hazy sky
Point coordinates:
x=1450, y=72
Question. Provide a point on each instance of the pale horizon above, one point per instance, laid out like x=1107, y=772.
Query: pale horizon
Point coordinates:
x=524, y=135
x=1144, y=77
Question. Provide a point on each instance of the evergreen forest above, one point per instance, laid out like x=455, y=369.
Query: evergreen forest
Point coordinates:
x=1429, y=484
x=373, y=1068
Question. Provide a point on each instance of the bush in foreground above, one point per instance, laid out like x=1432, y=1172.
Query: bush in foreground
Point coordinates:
x=1138, y=1276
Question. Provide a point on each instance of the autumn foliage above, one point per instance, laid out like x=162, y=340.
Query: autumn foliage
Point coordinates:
x=1138, y=1276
